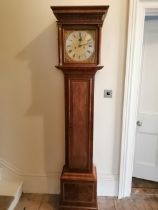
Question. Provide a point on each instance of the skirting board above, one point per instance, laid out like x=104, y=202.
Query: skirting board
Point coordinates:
x=107, y=185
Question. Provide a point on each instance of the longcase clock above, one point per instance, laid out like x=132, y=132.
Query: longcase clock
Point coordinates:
x=79, y=36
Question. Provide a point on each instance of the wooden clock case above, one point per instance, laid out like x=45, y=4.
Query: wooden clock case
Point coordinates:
x=78, y=178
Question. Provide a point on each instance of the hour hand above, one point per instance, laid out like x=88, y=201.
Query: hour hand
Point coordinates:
x=80, y=38
x=80, y=45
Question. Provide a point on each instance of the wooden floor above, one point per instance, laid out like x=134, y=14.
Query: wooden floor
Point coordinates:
x=5, y=202
x=142, y=183
x=141, y=186
x=50, y=202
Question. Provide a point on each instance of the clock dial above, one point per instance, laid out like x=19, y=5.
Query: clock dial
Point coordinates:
x=80, y=45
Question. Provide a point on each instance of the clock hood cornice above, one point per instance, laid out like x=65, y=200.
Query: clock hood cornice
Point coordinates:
x=80, y=14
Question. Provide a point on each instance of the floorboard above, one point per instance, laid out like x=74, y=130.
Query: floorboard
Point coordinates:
x=51, y=202
x=106, y=203
x=5, y=202
x=141, y=186
x=142, y=183
x=137, y=203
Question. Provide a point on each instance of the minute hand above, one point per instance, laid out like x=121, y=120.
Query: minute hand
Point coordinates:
x=80, y=45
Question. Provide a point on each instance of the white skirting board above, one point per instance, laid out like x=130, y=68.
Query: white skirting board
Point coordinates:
x=107, y=185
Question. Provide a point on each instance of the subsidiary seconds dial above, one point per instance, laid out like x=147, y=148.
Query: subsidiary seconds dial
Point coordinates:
x=80, y=46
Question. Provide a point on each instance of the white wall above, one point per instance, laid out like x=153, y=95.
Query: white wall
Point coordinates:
x=32, y=94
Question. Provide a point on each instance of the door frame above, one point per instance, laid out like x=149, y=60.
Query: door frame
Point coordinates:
x=138, y=9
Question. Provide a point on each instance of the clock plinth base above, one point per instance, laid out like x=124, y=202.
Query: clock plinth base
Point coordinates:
x=78, y=191
x=76, y=207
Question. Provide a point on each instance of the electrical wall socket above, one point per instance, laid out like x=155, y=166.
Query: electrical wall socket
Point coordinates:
x=107, y=93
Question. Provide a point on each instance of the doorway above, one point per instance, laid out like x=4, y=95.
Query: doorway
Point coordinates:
x=139, y=9
x=145, y=168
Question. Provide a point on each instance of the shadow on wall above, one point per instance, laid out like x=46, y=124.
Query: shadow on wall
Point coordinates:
x=47, y=95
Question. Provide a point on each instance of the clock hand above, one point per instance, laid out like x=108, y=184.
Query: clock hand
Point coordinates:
x=80, y=38
x=80, y=45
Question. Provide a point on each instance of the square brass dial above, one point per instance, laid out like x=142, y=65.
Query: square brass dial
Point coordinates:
x=79, y=46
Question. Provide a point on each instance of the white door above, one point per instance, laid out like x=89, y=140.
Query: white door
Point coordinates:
x=146, y=147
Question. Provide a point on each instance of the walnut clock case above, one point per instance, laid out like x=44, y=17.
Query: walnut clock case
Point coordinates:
x=79, y=36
